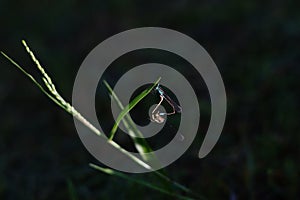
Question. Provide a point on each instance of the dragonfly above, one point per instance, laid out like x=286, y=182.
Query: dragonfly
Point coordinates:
x=157, y=116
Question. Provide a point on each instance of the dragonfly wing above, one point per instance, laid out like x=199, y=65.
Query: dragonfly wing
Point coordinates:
x=173, y=103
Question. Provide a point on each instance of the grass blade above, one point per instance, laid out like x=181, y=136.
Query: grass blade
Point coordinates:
x=71, y=190
x=32, y=79
x=135, y=101
x=139, y=181
x=52, y=93
x=140, y=143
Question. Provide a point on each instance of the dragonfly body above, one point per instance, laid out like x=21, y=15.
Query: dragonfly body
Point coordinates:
x=176, y=107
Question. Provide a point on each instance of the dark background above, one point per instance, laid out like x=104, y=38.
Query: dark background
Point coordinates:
x=255, y=46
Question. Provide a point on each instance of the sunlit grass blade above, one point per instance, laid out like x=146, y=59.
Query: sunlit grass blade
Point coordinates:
x=135, y=101
x=53, y=94
x=32, y=79
x=140, y=143
x=139, y=181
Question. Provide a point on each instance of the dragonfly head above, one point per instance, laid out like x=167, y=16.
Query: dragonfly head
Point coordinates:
x=157, y=87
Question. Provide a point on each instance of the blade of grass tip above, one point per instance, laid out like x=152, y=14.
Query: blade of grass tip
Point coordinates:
x=66, y=106
x=33, y=80
x=56, y=96
x=138, y=181
x=129, y=107
x=141, y=144
x=46, y=78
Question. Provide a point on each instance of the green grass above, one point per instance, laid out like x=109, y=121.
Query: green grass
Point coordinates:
x=140, y=143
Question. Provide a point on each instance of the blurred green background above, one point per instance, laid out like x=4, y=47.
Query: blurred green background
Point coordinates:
x=254, y=44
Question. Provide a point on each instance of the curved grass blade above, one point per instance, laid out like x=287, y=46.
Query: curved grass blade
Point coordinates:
x=143, y=147
x=32, y=79
x=135, y=101
x=140, y=143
